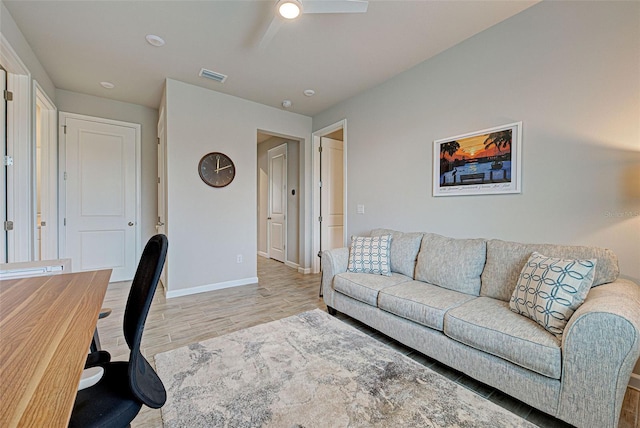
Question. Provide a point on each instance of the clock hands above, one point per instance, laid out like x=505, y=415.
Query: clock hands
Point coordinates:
x=218, y=169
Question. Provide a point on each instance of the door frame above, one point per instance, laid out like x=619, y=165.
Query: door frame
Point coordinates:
x=18, y=242
x=62, y=146
x=315, y=156
x=3, y=171
x=49, y=143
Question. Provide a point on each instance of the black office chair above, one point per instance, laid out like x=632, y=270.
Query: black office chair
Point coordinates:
x=125, y=386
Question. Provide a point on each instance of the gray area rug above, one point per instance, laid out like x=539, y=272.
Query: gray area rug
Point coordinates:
x=312, y=370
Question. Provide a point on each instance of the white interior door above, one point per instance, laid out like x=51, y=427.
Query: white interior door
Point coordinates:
x=161, y=225
x=3, y=180
x=331, y=194
x=101, y=192
x=276, y=221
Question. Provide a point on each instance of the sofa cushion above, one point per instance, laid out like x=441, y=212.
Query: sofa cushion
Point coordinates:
x=451, y=263
x=490, y=326
x=370, y=255
x=364, y=286
x=420, y=302
x=404, y=250
x=550, y=290
x=505, y=261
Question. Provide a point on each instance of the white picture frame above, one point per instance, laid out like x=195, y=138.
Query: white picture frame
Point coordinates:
x=485, y=162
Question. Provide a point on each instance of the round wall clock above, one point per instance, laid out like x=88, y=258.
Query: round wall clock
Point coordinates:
x=216, y=169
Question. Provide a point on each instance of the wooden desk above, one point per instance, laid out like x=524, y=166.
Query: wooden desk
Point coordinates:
x=46, y=326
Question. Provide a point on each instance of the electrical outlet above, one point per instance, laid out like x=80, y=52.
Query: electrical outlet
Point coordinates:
x=239, y=258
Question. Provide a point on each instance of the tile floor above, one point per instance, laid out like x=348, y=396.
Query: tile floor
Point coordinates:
x=282, y=292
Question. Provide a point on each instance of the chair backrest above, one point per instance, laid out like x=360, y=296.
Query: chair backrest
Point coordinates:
x=143, y=380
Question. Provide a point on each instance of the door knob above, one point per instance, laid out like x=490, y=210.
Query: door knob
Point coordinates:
x=130, y=223
x=268, y=218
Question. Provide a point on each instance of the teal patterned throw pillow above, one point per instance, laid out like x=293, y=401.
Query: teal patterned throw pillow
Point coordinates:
x=370, y=254
x=549, y=290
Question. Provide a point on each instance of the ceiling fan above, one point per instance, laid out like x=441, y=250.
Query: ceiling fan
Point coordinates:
x=291, y=9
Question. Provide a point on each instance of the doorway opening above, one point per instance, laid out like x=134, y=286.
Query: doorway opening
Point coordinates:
x=279, y=198
x=330, y=193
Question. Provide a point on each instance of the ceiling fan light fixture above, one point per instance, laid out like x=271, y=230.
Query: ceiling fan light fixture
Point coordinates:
x=289, y=9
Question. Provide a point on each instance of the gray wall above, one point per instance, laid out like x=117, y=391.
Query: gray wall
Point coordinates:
x=73, y=102
x=208, y=227
x=570, y=71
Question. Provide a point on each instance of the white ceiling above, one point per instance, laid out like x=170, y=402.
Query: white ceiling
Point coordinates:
x=81, y=43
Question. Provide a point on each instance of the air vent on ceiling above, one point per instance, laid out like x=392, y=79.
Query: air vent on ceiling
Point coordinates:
x=218, y=77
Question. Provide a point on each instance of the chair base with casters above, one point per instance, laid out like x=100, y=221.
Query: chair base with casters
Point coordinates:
x=115, y=400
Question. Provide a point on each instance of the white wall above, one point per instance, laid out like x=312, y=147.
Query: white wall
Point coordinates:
x=14, y=36
x=73, y=102
x=209, y=227
x=570, y=72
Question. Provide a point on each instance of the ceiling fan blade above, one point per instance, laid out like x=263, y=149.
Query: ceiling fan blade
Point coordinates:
x=271, y=31
x=334, y=6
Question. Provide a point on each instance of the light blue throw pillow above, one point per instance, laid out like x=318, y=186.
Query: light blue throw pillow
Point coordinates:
x=549, y=290
x=370, y=254
x=404, y=250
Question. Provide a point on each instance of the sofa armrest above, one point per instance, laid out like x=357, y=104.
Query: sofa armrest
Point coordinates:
x=333, y=262
x=600, y=347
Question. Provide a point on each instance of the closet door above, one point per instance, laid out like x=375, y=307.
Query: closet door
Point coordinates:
x=101, y=196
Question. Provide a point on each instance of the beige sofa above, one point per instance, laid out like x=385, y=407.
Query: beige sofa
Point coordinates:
x=449, y=299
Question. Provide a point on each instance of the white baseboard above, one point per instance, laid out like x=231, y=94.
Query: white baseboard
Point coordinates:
x=305, y=271
x=263, y=254
x=634, y=381
x=292, y=265
x=211, y=287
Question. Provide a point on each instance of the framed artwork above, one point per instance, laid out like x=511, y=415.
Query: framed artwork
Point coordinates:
x=485, y=162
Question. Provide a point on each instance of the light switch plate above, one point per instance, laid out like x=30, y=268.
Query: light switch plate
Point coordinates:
x=360, y=209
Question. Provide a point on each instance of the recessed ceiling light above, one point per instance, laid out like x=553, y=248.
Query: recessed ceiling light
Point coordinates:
x=107, y=85
x=309, y=92
x=286, y=104
x=154, y=40
x=289, y=9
